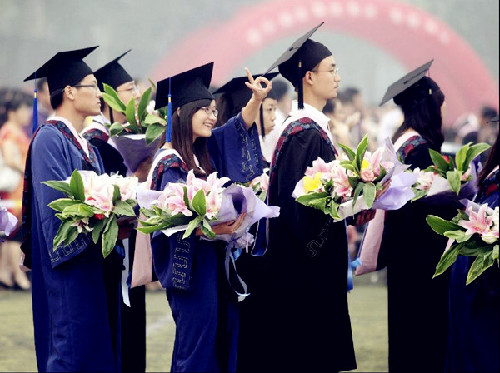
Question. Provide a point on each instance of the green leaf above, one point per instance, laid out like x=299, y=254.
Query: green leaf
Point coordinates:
x=348, y=166
x=473, y=152
x=495, y=252
x=123, y=208
x=76, y=185
x=116, y=194
x=71, y=236
x=78, y=210
x=458, y=236
x=151, y=118
x=192, y=226
x=61, y=234
x=447, y=259
x=369, y=191
x=115, y=129
x=61, y=186
x=112, y=95
x=333, y=212
x=143, y=103
x=109, y=236
x=453, y=178
x=199, y=203
x=315, y=200
x=154, y=131
x=61, y=203
x=439, y=162
x=461, y=157
x=360, y=151
x=440, y=225
x=207, y=229
x=96, y=232
x=357, y=192
x=348, y=151
x=130, y=113
x=481, y=264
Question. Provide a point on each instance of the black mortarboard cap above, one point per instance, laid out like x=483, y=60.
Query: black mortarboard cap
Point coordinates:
x=406, y=82
x=65, y=68
x=113, y=74
x=237, y=93
x=185, y=87
x=302, y=56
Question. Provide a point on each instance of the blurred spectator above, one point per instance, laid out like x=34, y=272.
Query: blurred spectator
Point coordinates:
x=390, y=120
x=16, y=114
x=338, y=125
x=466, y=125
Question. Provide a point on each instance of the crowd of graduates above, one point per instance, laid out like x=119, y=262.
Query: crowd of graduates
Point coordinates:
x=296, y=316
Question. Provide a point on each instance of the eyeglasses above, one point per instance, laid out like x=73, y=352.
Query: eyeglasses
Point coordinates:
x=335, y=71
x=209, y=111
x=94, y=86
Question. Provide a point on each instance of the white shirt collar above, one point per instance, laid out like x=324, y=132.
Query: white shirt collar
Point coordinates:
x=68, y=124
x=310, y=112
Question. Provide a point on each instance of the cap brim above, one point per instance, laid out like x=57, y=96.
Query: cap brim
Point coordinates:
x=405, y=82
x=293, y=48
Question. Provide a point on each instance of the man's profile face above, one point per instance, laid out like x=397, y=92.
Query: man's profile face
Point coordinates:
x=326, y=78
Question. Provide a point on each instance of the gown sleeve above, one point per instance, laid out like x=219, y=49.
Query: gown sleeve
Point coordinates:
x=235, y=150
x=48, y=151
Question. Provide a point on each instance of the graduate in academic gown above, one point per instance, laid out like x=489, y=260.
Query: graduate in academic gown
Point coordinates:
x=417, y=303
x=70, y=317
x=297, y=317
x=202, y=303
x=130, y=327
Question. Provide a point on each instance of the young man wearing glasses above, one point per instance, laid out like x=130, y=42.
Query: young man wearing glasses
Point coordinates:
x=70, y=318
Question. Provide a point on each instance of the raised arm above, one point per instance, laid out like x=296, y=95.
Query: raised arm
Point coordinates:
x=259, y=92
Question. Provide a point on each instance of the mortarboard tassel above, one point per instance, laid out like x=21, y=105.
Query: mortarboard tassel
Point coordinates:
x=261, y=116
x=300, y=91
x=35, y=110
x=169, y=112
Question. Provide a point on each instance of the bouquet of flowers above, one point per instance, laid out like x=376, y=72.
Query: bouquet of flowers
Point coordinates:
x=201, y=203
x=93, y=203
x=473, y=232
x=448, y=174
x=139, y=137
x=347, y=185
x=184, y=206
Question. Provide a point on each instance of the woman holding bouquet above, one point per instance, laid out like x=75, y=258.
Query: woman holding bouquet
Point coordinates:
x=203, y=305
x=417, y=304
x=474, y=336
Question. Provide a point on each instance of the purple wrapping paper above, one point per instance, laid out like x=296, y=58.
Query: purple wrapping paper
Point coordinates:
x=398, y=193
x=8, y=223
x=134, y=150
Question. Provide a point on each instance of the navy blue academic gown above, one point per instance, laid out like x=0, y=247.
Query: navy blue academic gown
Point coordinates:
x=474, y=335
x=70, y=318
x=202, y=306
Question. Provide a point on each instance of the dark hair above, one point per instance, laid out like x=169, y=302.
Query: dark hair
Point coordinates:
x=421, y=105
x=56, y=98
x=182, y=138
x=330, y=106
x=11, y=100
x=225, y=108
x=280, y=88
x=491, y=162
x=488, y=112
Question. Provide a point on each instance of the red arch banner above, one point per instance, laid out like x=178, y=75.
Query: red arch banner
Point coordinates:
x=411, y=35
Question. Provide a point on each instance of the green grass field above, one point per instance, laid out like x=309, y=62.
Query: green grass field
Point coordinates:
x=367, y=305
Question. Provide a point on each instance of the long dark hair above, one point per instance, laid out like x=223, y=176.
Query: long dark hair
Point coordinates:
x=491, y=162
x=421, y=105
x=182, y=139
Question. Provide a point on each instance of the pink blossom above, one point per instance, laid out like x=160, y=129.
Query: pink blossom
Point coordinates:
x=465, y=175
x=98, y=192
x=214, y=202
x=260, y=182
x=367, y=175
x=341, y=185
x=479, y=222
x=424, y=179
x=319, y=165
x=127, y=186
